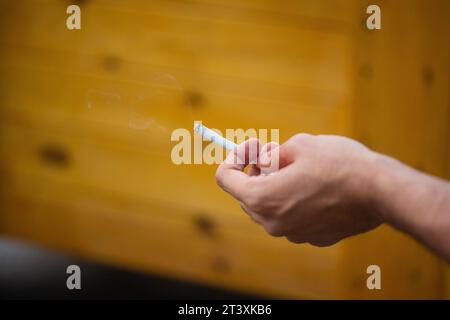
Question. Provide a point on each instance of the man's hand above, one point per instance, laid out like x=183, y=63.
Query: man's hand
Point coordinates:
x=320, y=194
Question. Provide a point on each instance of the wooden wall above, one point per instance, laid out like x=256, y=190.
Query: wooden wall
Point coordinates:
x=401, y=108
x=86, y=118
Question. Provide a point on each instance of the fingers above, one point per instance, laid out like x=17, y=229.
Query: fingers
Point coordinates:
x=246, y=188
x=230, y=175
x=276, y=201
x=274, y=157
x=244, y=154
x=254, y=170
x=269, y=158
x=297, y=239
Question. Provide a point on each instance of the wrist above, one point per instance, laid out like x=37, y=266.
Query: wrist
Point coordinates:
x=375, y=184
x=405, y=198
x=390, y=181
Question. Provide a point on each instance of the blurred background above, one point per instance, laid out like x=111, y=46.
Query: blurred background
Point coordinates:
x=85, y=121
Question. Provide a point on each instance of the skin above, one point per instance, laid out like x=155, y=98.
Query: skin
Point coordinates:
x=329, y=187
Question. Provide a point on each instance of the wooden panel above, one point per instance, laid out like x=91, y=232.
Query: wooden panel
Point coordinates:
x=147, y=185
x=401, y=108
x=161, y=237
x=329, y=15
x=153, y=76
x=225, y=103
x=110, y=166
x=76, y=177
x=254, y=51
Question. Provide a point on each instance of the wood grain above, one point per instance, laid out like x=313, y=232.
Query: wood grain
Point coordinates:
x=86, y=117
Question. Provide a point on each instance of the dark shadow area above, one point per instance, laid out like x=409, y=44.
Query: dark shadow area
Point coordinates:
x=31, y=272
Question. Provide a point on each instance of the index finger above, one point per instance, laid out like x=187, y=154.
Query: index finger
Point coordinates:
x=230, y=174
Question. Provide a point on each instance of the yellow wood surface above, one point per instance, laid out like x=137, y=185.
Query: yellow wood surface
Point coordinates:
x=160, y=237
x=401, y=109
x=86, y=117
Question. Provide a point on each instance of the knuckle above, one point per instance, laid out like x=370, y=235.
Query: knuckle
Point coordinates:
x=274, y=229
x=266, y=147
x=323, y=242
x=301, y=137
x=253, y=140
x=296, y=239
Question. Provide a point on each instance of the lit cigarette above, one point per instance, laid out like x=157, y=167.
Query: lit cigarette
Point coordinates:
x=213, y=136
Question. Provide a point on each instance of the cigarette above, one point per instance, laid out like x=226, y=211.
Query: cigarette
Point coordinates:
x=213, y=136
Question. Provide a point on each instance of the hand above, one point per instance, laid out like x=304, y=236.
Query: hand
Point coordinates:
x=320, y=194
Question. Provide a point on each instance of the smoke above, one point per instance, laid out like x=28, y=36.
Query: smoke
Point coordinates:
x=158, y=103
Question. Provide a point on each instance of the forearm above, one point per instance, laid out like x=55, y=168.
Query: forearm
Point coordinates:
x=412, y=201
